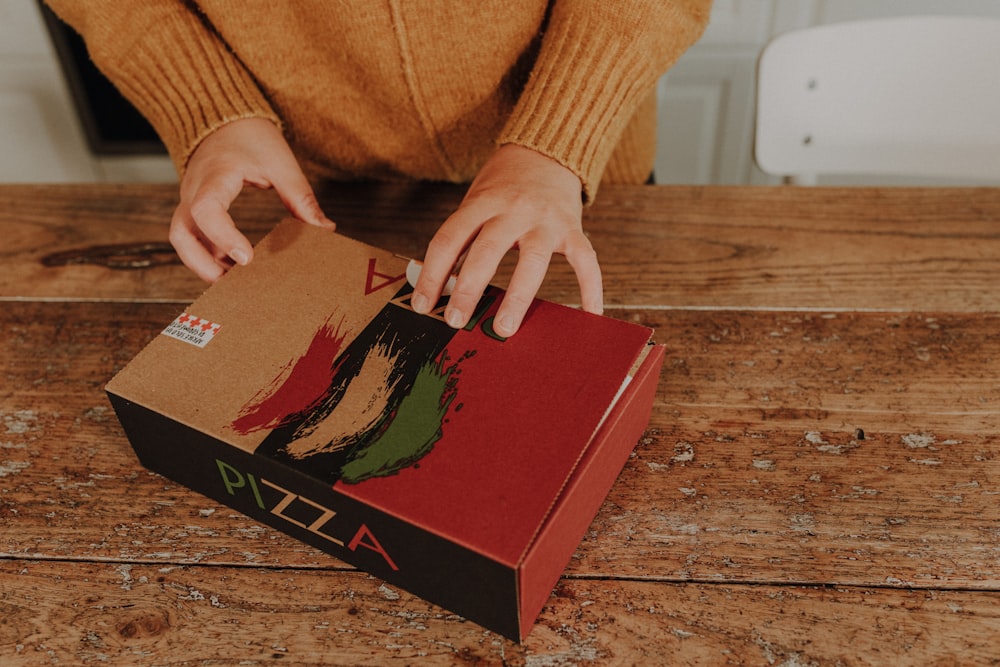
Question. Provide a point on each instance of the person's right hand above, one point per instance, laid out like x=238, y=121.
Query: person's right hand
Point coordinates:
x=247, y=151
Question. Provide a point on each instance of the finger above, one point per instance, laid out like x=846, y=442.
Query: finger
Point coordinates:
x=480, y=265
x=581, y=256
x=297, y=195
x=209, y=211
x=532, y=265
x=192, y=249
x=413, y=275
x=441, y=257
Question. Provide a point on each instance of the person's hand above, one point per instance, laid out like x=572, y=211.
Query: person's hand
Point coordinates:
x=522, y=199
x=248, y=151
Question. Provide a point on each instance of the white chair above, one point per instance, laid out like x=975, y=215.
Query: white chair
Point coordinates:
x=917, y=96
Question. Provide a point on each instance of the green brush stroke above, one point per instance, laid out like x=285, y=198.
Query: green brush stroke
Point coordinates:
x=412, y=432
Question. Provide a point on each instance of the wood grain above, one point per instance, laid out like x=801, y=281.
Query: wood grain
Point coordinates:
x=819, y=483
x=127, y=614
x=753, y=468
x=895, y=249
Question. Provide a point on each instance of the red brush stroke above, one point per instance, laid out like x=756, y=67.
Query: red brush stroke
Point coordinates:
x=294, y=392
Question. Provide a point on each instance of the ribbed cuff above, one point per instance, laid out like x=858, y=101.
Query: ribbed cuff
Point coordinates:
x=633, y=158
x=599, y=61
x=184, y=80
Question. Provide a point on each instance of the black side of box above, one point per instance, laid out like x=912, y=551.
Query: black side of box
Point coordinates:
x=440, y=571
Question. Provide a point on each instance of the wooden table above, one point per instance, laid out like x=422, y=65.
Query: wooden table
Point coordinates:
x=820, y=482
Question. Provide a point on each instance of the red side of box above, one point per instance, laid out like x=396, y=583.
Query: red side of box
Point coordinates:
x=586, y=491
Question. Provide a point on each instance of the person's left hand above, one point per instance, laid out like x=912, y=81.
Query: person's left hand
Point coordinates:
x=520, y=199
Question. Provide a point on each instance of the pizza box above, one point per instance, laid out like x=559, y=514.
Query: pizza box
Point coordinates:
x=303, y=391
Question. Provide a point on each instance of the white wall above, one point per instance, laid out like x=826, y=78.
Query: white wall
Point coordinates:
x=41, y=139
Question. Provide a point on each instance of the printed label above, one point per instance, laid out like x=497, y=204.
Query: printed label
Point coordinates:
x=191, y=329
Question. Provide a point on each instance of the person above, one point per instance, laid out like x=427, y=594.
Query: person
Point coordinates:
x=532, y=102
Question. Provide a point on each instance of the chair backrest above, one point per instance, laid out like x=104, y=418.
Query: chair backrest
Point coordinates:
x=912, y=96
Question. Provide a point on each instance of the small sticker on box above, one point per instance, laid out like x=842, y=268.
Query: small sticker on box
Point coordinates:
x=191, y=329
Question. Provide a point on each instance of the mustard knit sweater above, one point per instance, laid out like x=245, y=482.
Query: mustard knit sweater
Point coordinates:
x=401, y=89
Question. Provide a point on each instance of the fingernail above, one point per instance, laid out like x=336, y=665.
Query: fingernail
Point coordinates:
x=454, y=318
x=506, y=325
x=239, y=256
x=420, y=303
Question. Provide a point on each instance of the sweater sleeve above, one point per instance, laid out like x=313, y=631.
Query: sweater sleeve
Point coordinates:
x=598, y=61
x=172, y=66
